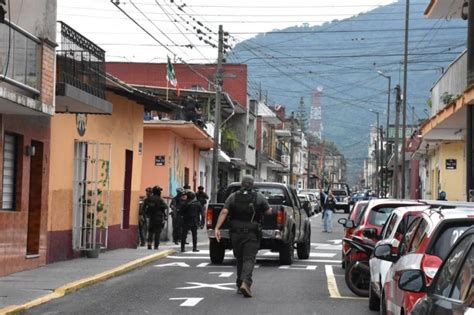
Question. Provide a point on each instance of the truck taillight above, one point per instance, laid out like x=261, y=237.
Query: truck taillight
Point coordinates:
x=430, y=265
x=209, y=218
x=280, y=218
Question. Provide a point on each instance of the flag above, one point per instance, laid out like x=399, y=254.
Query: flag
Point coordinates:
x=170, y=76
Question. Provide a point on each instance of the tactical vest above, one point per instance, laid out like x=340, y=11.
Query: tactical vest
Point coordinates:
x=244, y=207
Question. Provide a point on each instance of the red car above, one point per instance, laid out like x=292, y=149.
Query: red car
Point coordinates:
x=424, y=247
x=348, y=231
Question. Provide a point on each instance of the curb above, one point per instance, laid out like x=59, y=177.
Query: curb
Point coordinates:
x=76, y=285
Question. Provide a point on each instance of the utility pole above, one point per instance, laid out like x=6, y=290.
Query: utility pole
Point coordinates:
x=292, y=146
x=217, y=114
x=405, y=86
x=397, y=140
x=469, y=109
x=382, y=170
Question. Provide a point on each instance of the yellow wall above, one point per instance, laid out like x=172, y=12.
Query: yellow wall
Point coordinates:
x=453, y=182
x=178, y=153
x=124, y=131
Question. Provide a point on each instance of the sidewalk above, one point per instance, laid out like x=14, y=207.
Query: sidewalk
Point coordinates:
x=29, y=288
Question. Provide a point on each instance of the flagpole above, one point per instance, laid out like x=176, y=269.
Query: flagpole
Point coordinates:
x=166, y=89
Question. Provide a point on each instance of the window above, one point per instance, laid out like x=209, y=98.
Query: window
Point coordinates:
x=378, y=216
x=10, y=156
x=447, y=237
x=389, y=227
x=463, y=283
x=445, y=281
x=408, y=237
x=419, y=236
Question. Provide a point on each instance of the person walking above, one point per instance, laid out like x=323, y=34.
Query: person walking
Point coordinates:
x=329, y=208
x=191, y=213
x=202, y=197
x=175, y=205
x=155, y=208
x=142, y=219
x=246, y=208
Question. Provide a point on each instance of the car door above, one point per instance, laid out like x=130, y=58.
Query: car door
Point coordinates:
x=297, y=214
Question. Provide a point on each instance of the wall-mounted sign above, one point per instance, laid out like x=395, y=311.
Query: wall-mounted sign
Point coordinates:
x=159, y=160
x=140, y=148
x=81, y=124
x=451, y=164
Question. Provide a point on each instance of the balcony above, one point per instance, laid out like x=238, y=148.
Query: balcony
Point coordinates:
x=20, y=76
x=80, y=75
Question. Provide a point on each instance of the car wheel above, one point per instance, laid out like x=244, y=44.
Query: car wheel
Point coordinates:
x=216, y=251
x=304, y=248
x=358, y=278
x=287, y=251
x=374, y=300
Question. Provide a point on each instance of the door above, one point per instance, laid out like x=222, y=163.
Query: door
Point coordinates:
x=127, y=190
x=35, y=199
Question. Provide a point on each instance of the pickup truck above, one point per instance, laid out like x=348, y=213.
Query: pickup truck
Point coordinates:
x=289, y=224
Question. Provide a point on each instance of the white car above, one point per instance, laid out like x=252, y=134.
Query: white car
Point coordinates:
x=314, y=200
x=392, y=233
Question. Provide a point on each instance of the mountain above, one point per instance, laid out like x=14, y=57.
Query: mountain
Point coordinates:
x=343, y=57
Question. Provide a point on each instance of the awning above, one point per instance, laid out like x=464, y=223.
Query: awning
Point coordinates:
x=282, y=133
x=267, y=114
x=222, y=158
x=442, y=9
x=185, y=129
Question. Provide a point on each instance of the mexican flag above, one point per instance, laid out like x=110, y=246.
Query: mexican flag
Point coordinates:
x=170, y=76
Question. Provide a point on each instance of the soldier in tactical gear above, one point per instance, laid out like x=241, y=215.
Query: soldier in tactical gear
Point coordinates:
x=191, y=213
x=142, y=218
x=246, y=208
x=155, y=208
x=176, y=204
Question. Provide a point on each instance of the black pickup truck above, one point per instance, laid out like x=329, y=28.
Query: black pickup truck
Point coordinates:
x=289, y=224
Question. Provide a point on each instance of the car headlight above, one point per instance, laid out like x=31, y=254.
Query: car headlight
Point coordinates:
x=346, y=199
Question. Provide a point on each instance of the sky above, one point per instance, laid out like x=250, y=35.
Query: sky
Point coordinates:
x=173, y=24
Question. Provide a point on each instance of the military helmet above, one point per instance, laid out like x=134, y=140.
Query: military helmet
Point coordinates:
x=191, y=195
x=156, y=190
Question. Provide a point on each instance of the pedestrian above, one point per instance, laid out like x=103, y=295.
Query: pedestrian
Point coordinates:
x=175, y=205
x=202, y=197
x=191, y=214
x=442, y=196
x=329, y=208
x=155, y=208
x=246, y=208
x=142, y=219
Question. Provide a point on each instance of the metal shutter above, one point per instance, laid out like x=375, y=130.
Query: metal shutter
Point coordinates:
x=9, y=166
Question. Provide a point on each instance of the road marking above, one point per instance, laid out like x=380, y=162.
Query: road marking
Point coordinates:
x=324, y=246
x=332, y=285
x=336, y=242
x=315, y=255
x=298, y=267
x=322, y=261
x=188, y=302
x=199, y=285
x=222, y=274
x=174, y=264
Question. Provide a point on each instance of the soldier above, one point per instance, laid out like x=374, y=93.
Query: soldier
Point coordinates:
x=191, y=213
x=155, y=208
x=202, y=197
x=142, y=219
x=176, y=204
x=246, y=208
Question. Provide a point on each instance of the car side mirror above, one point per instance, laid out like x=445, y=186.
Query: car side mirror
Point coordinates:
x=342, y=221
x=384, y=252
x=412, y=281
x=370, y=233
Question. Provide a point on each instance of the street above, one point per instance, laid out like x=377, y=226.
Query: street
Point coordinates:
x=187, y=283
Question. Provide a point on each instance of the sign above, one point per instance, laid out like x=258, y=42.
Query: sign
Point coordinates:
x=159, y=160
x=451, y=164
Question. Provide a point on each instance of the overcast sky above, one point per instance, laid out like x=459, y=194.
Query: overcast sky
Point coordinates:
x=103, y=23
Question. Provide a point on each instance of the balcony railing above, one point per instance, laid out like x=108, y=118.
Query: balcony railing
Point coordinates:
x=80, y=62
x=19, y=51
x=451, y=84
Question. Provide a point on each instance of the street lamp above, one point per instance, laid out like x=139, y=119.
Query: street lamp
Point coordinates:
x=377, y=143
x=389, y=78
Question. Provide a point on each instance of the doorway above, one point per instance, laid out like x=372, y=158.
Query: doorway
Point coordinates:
x=35, y=198
x=127, y=190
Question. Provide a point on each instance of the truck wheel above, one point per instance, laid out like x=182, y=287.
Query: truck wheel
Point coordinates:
x=216, y=251
x=305, y=247
x=287, y=252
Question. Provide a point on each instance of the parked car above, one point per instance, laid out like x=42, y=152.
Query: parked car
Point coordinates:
x=288, y=225
x=315, y=196
x=349, y=231
x=425, y=245
x=306, y=203
x=452, y=290
x=392, y=233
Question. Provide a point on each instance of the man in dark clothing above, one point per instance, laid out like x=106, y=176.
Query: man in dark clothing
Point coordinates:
x=329, y=206
x=202, y=197
x=246, y=209
x=190, y=213
x=176, y=204
x=142, y=218
x=155, y=208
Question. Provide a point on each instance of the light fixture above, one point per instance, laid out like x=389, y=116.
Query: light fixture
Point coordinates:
x=30, y=150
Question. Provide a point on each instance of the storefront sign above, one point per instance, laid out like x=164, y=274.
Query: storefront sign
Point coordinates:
x=159, y=160
x=451, y=164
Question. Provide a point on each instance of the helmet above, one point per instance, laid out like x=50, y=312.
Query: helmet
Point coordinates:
x=179, y=191
x=156, y=190
x=442, y=195
x=247, y=181
x=191, y=195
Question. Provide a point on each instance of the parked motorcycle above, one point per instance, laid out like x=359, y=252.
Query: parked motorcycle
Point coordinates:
x=357, y=270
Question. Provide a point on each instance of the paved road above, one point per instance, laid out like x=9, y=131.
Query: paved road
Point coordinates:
x=188, y=284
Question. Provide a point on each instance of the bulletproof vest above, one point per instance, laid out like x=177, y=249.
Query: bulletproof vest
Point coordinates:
x=154, y=204
x=244, y=207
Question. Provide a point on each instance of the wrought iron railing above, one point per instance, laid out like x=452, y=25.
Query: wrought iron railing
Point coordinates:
x=19, y=51
x=80, y=62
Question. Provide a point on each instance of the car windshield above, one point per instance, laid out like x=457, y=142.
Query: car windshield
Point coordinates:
x=339, y=193
x=378, y=216
x=302, y=199
x=446, y=239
